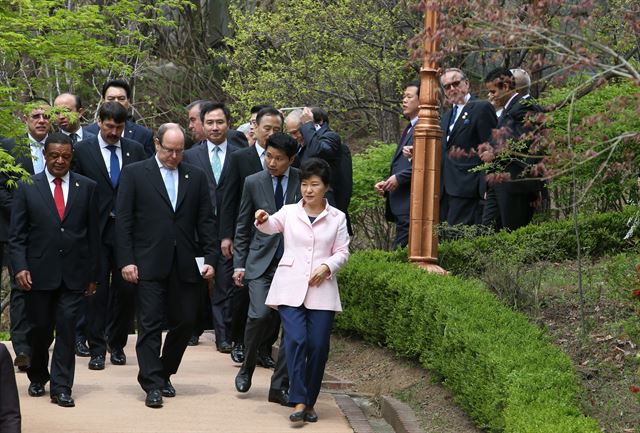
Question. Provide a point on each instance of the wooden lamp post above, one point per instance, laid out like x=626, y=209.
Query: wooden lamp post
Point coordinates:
x=427, y=155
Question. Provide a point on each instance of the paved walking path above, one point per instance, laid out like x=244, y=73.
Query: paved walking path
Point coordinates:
x=111, y=401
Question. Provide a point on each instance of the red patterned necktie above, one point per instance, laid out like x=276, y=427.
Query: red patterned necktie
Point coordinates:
x=58, y=197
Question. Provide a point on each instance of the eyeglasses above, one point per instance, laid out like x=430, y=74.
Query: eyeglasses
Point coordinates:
x=176, y=152
x=451, y=85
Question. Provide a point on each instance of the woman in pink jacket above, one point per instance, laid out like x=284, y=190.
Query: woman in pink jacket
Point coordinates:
x=304, y=288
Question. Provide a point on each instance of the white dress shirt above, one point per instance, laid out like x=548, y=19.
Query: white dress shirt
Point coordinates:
x=106, y=153
x=64, y=185
x=222, y=153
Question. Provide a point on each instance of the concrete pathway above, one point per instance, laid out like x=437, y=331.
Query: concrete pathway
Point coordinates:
x=111, y=401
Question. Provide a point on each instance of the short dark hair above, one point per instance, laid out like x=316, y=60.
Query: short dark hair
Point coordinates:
x=504, y=75
x=319, y=115
x=57, y=138
x=117, y=83
x=210, y=106
x=283, y=142
x=316, y=167
x=413, y=83
x=259, y=107
x=269, y=111
x=112, y=110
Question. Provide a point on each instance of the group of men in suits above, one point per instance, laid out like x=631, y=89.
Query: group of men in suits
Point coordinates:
x=133, y=212
x=472, y=133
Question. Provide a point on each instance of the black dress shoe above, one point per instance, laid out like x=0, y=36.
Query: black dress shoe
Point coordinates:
x=63, y=399
x=297, y=416
x=82, y=349
x=36, y=389
x=193, y=341
x=224, y=347
x=265, y=360
x=96, y=362
x=280, y=396
x=168, y=390
x=310, y=415
x=154, y=398
x=237, y=353
x=118, y=357
x=243, y=381
x=22, y=361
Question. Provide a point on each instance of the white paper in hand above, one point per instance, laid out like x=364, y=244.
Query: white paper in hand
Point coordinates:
x=200, y=263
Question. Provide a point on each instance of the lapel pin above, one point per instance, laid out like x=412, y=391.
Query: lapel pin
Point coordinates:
x=77, y=185
x=128, y=154
x=186, y=176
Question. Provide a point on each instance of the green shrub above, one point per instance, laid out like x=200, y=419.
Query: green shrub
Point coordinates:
x=550, y=241
x=502, y=369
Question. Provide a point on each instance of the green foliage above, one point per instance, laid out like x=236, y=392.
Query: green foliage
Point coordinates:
x=348, y=55
x=549, y=241
x=585, y=145
x=367, y=208
x=502, y=369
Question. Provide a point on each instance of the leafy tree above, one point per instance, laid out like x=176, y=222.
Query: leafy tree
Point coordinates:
x=349, y=57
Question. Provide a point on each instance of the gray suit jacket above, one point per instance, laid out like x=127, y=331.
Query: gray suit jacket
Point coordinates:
x=252, y=249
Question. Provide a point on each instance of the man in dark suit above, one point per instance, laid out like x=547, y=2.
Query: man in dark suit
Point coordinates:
x=69, y=118
x=464, y=127
x=256, y=255
x=243, y=164
x=512, y=201
x=101, y=159
x=212, y=156
x=10, y=418
x=38, y=126
x=397, y=187
x=120, y=91
x=53, y=240
x=164, y=221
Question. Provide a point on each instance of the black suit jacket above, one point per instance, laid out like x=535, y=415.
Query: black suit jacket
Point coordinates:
x=398, y=200
x=150, y=234
x=10, y=418
x=55, y=251
x=472, y=128
x=237, y=138
x=253, y=249
x=88, y=161
x=132, y=131
x=242, y=164
x=512, y=121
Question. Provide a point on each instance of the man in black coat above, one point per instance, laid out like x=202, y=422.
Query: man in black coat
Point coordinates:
x=511, y=204
x=163, y=222
x=101, y=158
x=465, y=126
x=397, y=187
x=120, y=91
x=53, y=241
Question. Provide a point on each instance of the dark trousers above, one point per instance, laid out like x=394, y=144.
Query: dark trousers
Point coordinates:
x=221, y=299
x=460, y=210
x=181, y=302
x=20, y=325
x=49, y=310
x=402, y=231
x=259, y=320
x=515, y=209
x=10, y=418
x=111, y=310
x=307, y=336
x=239, y=308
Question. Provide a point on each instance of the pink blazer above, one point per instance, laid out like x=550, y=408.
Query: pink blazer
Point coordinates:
x=307, y=246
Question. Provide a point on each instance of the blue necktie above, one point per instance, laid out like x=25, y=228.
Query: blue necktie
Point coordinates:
x=114, y=166
x=169, y=179
x=454, y=111
x=216, y=166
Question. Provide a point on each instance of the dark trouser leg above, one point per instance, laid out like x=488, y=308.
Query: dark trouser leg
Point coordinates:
x=491, y=212
x=259, y=318
x=221, y=300
x=151, y=307
x=294, y=322
x=20, y=324
x=240, y=307
x=402, y=231
x=272, y=332
x=515, y=209
x=63, y=360
x=319, y=324
x=460, y=210
x=205, y=320
x=40, y=311
x=183, y=300
x=97, y=309
x=280, y=378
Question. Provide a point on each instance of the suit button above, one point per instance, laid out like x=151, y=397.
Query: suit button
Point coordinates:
x=60, y=251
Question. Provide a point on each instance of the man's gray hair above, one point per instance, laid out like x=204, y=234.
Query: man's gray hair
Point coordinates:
x=522, y=79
